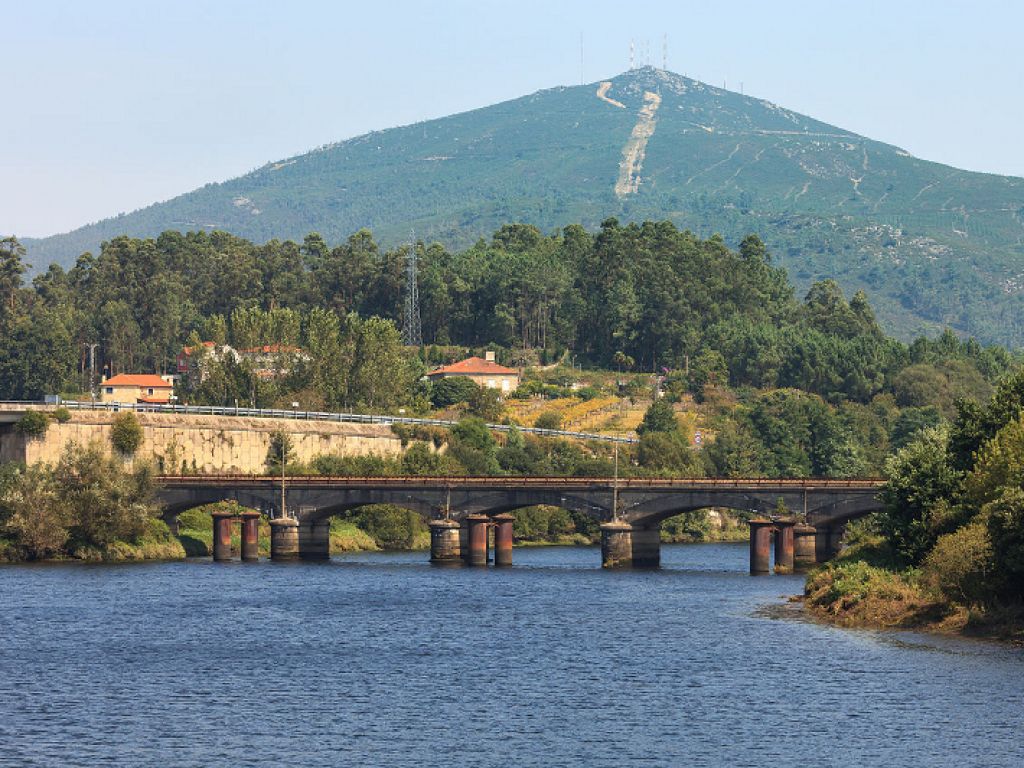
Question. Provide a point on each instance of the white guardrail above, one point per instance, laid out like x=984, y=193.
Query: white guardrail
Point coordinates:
x=279, y=413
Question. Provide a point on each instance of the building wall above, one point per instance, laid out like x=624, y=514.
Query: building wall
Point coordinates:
x=206, y=444
x=131, y=394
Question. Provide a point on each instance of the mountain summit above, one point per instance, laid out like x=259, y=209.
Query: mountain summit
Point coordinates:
x=933, y=245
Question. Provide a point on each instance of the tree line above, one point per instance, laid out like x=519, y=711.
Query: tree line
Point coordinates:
x=642, y=297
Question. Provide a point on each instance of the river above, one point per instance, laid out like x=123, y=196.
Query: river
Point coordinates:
x=383, y=660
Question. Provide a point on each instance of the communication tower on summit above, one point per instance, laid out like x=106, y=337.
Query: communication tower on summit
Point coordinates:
x=412, y=331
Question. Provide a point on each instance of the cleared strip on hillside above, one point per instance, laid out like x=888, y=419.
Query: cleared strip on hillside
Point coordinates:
x=602, y=94
x=633, y=153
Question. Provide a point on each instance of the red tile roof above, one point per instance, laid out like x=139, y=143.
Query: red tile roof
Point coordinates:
x=475, y=366
x=137, y=380
x=207, y=344
x=268, y=349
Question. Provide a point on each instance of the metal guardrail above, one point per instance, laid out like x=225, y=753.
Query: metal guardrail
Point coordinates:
x=278, y=413
x=787, y=483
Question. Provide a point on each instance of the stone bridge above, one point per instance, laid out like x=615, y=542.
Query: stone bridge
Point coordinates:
x=462, y=510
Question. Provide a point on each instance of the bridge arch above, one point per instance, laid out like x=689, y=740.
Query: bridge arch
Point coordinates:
x=828, y=510
x=325, y=513
x=845, y=510
x=173, y=507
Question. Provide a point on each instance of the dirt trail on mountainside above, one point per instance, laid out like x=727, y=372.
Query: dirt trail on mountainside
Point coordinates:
x=633, y=152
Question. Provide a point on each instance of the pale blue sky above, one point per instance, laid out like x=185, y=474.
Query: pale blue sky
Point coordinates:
x=110, y=106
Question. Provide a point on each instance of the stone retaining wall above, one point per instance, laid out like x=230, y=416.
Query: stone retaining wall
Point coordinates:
x=205, y=444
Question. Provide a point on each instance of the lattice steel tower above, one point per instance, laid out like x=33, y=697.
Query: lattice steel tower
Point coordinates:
x=412, y=331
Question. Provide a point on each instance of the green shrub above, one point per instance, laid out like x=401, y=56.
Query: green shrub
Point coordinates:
x=1006, y=530
x=32, y=424
x=448, y=392
x=486, y=404
x=355, y=466
x=391, y=527
x=126, y=433
x=62, y=415
x=279, y=452
x=548, y=420
x=960, y=564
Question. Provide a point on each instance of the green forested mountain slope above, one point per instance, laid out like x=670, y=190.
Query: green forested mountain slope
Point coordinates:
x=931, y=244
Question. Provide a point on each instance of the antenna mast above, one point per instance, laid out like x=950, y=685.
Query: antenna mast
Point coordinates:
x=664, y=51
x=632, y=57
x=412, y=331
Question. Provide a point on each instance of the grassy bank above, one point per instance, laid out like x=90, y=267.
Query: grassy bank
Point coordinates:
x=156, y=543
x=865, y=587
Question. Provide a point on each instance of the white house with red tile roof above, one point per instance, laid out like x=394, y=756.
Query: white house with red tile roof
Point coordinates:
x=483, y=372
x=136, y=388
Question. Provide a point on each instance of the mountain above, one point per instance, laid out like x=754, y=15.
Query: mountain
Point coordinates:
x=933, y=246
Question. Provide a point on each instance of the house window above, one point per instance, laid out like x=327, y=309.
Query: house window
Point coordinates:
x=504, y=385
x=110, y=390
x=150, y=391
x=490, y=383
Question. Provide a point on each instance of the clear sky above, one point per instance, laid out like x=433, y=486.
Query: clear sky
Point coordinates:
x=109, y=106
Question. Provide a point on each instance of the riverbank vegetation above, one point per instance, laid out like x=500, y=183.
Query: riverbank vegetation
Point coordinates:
x=948, y=549
x=88, y=506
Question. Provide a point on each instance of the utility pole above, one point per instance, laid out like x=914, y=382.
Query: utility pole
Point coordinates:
x=284, y=509
x=412, y=330
x=615, y=485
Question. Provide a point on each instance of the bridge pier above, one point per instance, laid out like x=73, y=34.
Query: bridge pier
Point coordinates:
x=478, y=539
x=503, y=539
x=784, y=547
x=760, y=545
x=315, y=540
x=828, y=541
x=250, y=536
x=627, y=546
x=616, y=544
x=803, y=547
x=445, y=544
x=222, y=536
x=284, y=538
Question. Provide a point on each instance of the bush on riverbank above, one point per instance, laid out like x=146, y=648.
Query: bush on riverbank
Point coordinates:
x=953, y=524
x=853, y=593
x=86, y=506
x=157, y=543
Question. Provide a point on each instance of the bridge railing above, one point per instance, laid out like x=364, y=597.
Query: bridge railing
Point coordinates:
x=800, y=483
x=349, y=418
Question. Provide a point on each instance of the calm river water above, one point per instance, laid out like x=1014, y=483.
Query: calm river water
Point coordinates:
x=382, y=660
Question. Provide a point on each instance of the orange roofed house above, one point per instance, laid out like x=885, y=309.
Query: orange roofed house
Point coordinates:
x=136, y=388
x=483, y=372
